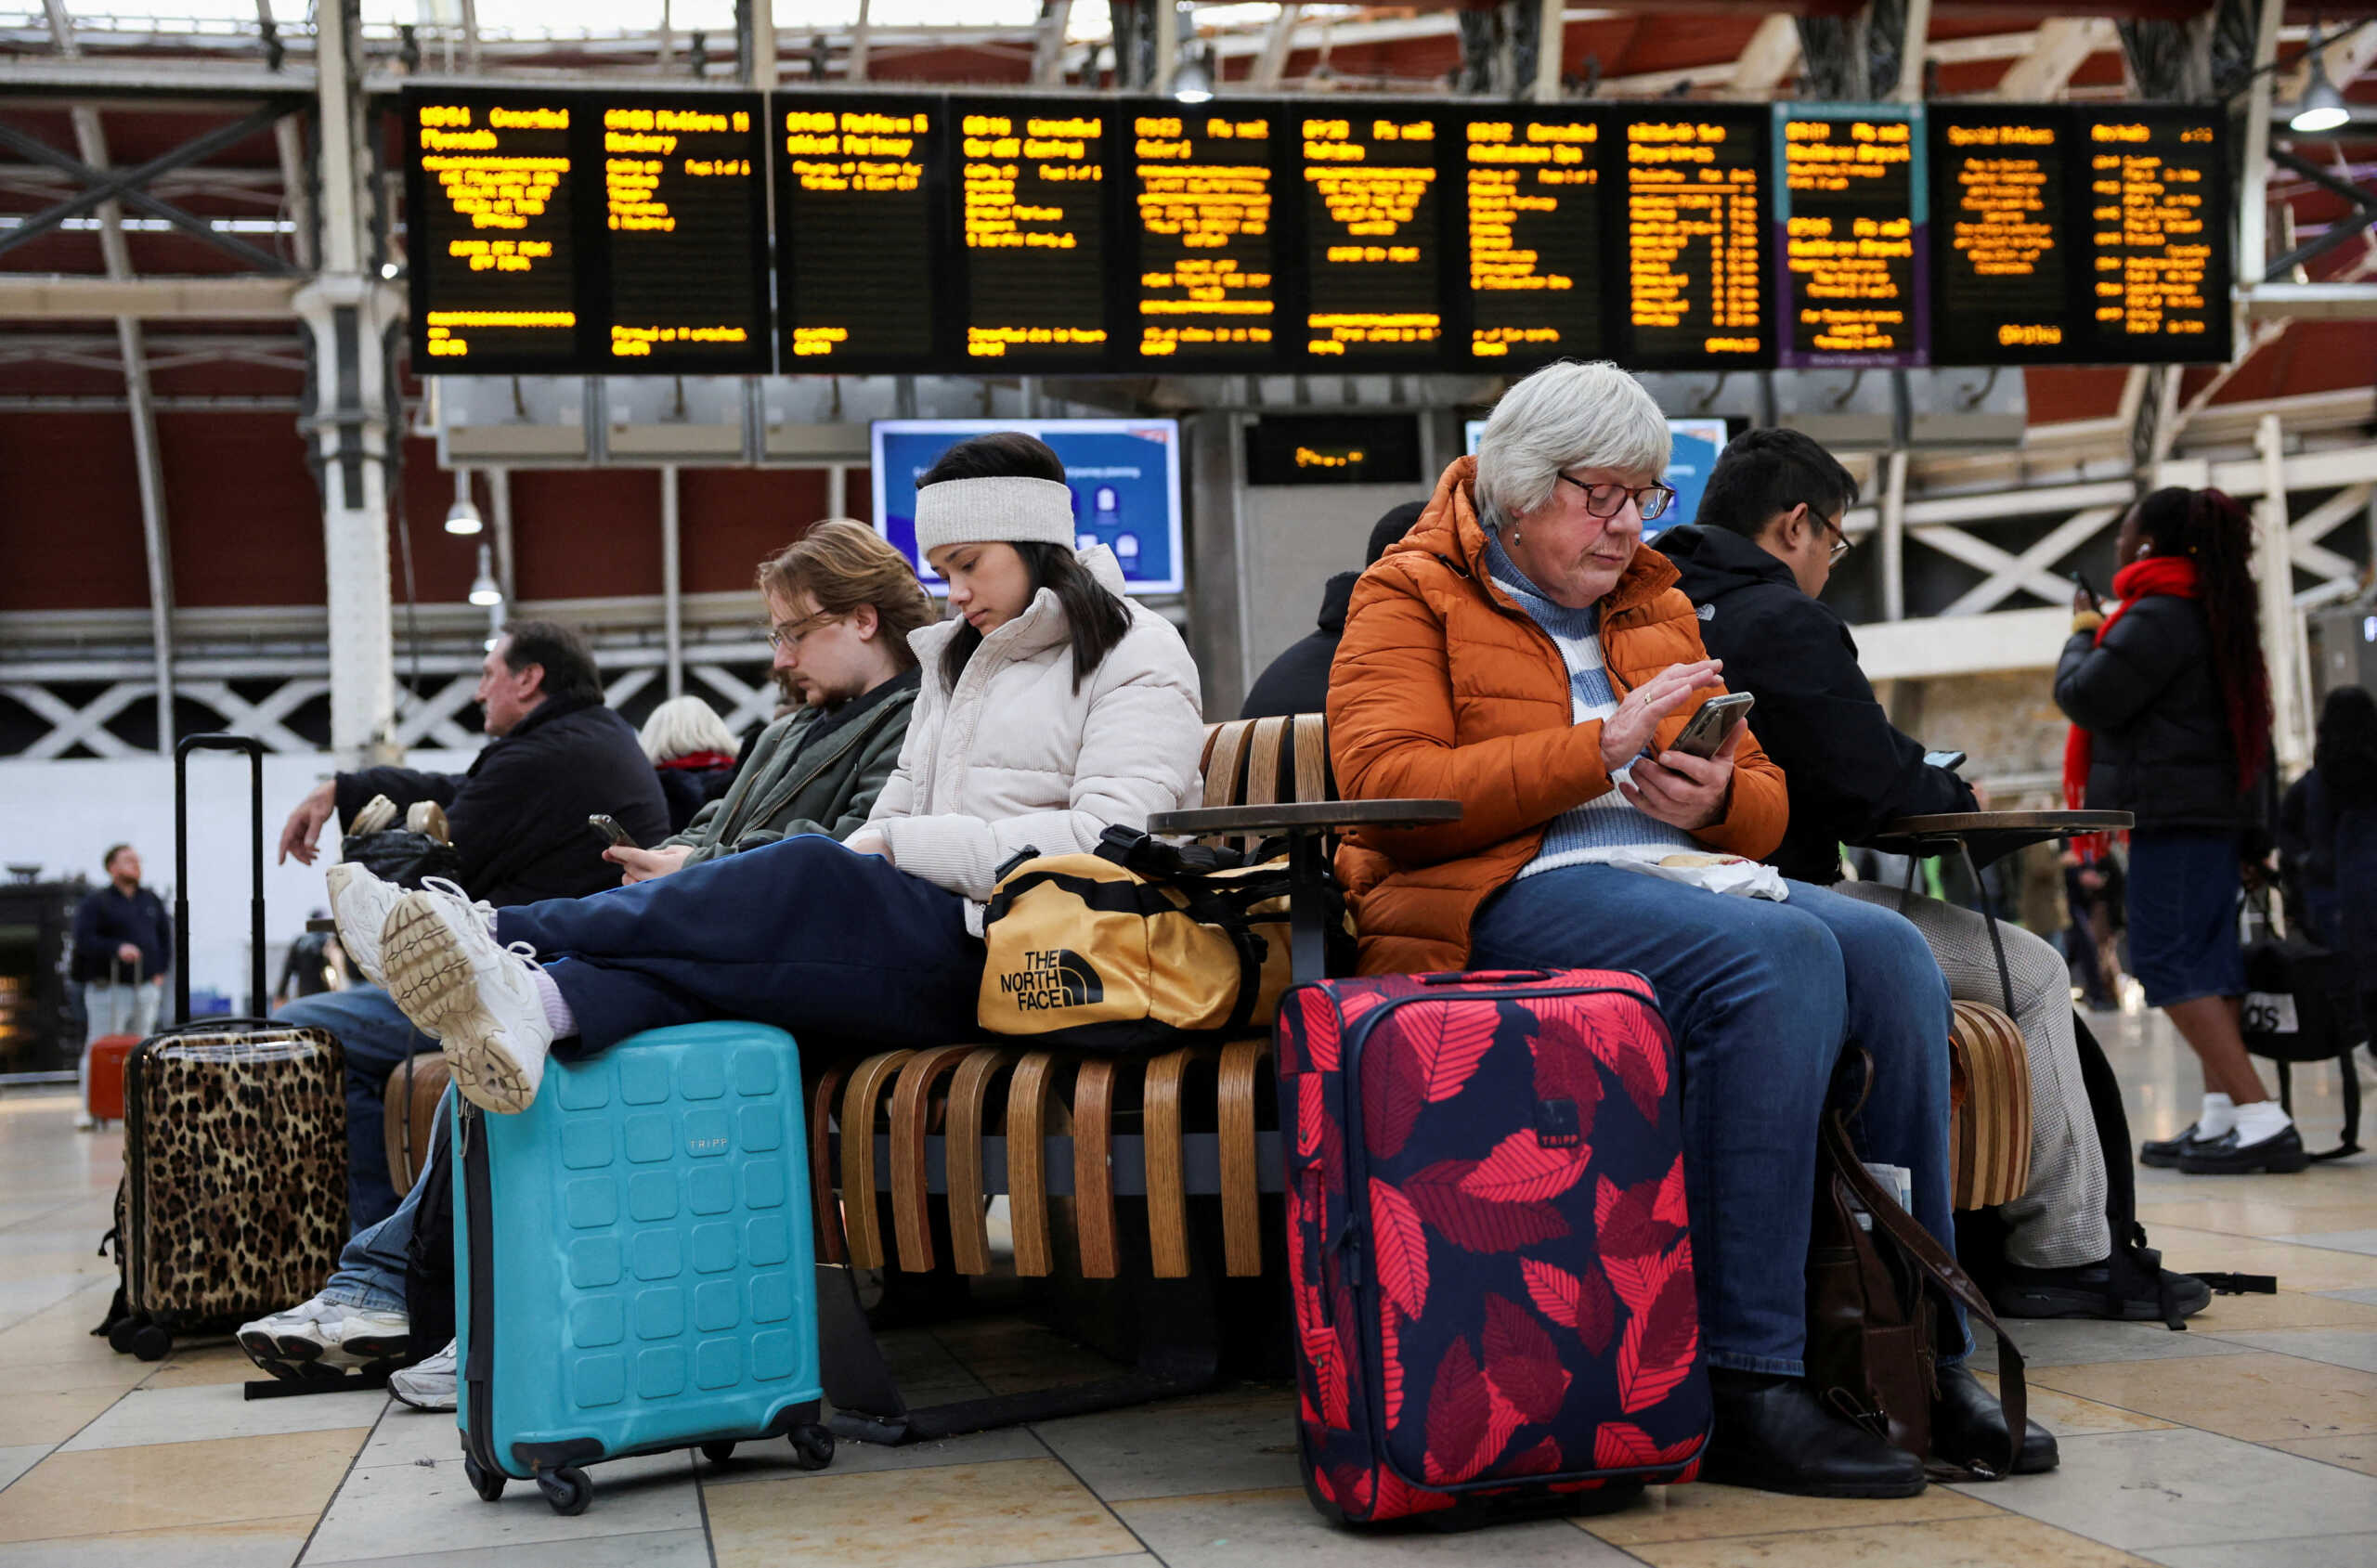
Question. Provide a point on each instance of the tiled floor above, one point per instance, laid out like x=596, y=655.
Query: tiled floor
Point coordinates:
x=2251, y=1439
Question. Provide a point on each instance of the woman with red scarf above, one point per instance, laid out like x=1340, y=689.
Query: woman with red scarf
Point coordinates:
x=2169, y=702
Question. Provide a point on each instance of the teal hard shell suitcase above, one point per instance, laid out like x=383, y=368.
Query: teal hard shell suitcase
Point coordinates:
x=632, y=1267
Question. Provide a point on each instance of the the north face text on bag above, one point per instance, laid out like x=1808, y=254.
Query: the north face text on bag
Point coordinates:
x=1052, y=977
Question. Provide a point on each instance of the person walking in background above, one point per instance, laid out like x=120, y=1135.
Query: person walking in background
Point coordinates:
x=692, y=751
x=124, y=945
x=2327, y=837
x=2169, y=703
x=1297, y=681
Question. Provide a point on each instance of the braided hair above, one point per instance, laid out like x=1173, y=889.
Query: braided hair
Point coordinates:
x=2209, y=529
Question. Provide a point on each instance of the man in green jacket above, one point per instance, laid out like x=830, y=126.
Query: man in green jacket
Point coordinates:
x=840, y=605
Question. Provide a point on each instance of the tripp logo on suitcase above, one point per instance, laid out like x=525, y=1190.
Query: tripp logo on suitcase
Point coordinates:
x=1488, y=1244
x=633, y=1262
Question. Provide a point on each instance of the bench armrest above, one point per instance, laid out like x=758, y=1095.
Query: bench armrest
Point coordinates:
x=1305, y=816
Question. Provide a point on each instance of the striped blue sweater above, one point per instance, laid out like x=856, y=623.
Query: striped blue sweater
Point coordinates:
x=1607, y=827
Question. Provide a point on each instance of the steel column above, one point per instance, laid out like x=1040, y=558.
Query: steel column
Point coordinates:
x=2283, y=642
x=1894, y=532
x=672, y=599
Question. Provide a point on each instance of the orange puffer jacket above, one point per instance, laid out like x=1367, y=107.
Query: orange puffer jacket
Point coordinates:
x=1444, y=687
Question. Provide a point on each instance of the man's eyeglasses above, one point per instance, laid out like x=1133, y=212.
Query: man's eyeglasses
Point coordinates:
x=789, y=636
x=1608, y=500
x=1841, y=543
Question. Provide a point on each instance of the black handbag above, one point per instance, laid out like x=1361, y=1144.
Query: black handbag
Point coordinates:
x=2303, y=1004
x=404, y=857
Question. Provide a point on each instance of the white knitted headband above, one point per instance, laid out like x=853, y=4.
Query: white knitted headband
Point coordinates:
x=1016, y=511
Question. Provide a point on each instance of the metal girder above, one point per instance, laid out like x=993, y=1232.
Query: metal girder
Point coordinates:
x=1279, y=42
x=2343, y=60
x=2064, y=43
x=101, y=186
x=154, y=81
x=1049, y=45
x=2364, y=213
x=1768, y=59
x=33, y=296
x=2169, y=59
x=2313, y=301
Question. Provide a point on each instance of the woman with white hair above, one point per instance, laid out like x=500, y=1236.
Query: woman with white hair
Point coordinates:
x=692, y=751
x=1519, y=651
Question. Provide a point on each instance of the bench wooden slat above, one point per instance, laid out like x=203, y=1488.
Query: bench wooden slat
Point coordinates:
x=911, y=1120
x=1093, y=1111
x=1312, y=757
x=820, y=1164
x=1166, y=1161
x=1027, y=1095
x=862, y=1213
x=1225, y=764
x=970, y=1093
x=1241, y=1204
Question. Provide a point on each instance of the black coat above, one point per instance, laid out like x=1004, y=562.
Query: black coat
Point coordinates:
x=2150, y=697
x=2328, y=853
x=519, y=814
x=1297, y=681
x=106, y=921
x=1848, y=769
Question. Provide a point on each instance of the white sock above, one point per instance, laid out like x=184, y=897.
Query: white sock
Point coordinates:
x=2260, y=1120
x=2219, y=1114
x=557, y=1014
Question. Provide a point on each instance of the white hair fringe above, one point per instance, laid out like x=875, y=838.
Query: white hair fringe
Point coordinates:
x=1568, y=415
x=681, y=727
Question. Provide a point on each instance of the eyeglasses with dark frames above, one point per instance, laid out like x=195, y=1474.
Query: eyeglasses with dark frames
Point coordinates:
x=1651, y=502
x=789, y=636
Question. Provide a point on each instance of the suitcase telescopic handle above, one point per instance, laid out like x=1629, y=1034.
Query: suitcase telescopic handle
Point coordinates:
x=255, y=750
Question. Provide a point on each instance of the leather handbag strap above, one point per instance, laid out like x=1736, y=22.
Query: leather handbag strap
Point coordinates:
x=1937, y=1269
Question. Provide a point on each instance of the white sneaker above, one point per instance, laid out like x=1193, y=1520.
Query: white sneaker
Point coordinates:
x=86, y=1123
x=478, y=1000
x=361, y=903
x=452, y=891
x=324, y=1334
x=428, y=1385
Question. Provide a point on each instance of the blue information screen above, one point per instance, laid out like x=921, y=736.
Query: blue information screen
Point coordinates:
x=1124, y=476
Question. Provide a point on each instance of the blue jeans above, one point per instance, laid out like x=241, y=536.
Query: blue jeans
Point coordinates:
x=376, y=1039
x=802, y=933
x=373, y=1267
x=1761, y=998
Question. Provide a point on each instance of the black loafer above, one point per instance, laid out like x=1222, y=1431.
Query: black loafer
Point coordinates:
x=2164, y=1154
x=1772, y=1434
x=1968, y=1430
x=2281, y=1154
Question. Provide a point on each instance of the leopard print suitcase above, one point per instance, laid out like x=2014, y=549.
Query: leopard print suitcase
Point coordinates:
x=234, y=1199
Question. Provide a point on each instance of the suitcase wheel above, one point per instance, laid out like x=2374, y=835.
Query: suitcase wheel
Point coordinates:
x=567, y=1489
x=139, y=1337
x=718, y=1453
x=489, y=1485
x=813, y=1447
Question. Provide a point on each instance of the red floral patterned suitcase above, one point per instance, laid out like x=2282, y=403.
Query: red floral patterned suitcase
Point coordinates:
x=1487, y=1237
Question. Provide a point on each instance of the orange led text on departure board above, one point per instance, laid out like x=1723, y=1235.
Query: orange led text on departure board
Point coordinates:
x=1206, y=235
x=1534, y=223
x=1032, y=220
x=2002, y=284
x=1694, y=207
x=2149, y=187
x=497, y=230
x=1371, y=242
x=676, y=191
x=855, y=198
x=1849, y=239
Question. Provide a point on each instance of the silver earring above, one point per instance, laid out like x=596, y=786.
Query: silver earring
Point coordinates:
x=1514, y=535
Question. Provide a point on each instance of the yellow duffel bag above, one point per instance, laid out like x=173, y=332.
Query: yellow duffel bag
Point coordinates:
x=1138, y=949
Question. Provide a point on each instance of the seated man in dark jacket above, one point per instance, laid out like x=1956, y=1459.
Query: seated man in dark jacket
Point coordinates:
x=1297, y=681
x=518, y=823
x=1768, y=535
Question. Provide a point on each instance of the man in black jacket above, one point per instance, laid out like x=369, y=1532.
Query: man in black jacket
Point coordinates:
x=518, y=820
x=1297, y=681
x=124, y=945
x=1768, y=532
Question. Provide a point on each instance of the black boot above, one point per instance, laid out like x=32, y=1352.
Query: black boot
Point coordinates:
x=1969, y=1429
x=2281, y=1154
x=2164, y=1154
x=1772, y=1434
x=2119, y=1287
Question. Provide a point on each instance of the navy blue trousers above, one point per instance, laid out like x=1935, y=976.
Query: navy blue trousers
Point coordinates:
x=802, y=933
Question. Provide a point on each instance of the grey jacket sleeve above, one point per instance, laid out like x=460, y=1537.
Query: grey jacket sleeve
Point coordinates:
x=848, y=812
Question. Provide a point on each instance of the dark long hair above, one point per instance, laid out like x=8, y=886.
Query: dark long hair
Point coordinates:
x=2345, y=750
x=2211, y=529
x=1097, y=619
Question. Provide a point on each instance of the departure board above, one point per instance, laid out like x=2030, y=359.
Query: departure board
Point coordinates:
x=686, y=223
x=489, y=206
x=2000, y=236
x=1850, y=209
x=1032, y=220
x=1533, y=192
x=1209, y=273
x=1695, y=222
x=1371, y=245
x=857, y=187
x=2156, y=240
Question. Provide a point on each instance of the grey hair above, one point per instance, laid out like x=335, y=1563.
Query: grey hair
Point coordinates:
x=1568, y=415
x=681, y=727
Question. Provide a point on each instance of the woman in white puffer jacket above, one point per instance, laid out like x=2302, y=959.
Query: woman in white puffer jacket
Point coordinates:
x=1052, y=708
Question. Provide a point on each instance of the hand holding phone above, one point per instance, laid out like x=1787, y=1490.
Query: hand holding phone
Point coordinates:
x=2088, y=598
x=608, y=826
x=1713, y=723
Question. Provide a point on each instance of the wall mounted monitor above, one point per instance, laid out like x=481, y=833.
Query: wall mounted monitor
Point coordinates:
x=1124, y=476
